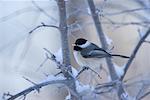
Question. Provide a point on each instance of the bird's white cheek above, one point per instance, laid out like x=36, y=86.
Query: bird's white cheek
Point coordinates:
x=85, y=45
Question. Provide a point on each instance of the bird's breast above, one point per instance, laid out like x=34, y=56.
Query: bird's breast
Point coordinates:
x=90, y=62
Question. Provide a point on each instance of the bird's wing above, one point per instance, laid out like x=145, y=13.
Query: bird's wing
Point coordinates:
x=96, y=53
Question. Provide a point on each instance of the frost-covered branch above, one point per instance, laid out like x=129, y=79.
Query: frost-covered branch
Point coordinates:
x=64, y=33
x=65, y=45
x=113, y=74
x=102, y=37
x=50, y=80
x=60, y=65
x=35, y=87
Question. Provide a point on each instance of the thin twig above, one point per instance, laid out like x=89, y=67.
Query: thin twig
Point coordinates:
x=41, y=65
x=127, y=11
x=87, y=68
x=17, y=13
x=43, y=25
x=109, y=84
x=135, y=52
x=144, y=95
x=105, y=87
x=29, y=80
x=35, y=87
x=43, y=11
x=141, y=91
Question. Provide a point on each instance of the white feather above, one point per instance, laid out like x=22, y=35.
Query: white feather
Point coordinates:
x=85, y=45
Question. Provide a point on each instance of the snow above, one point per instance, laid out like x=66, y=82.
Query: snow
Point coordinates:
x=119, y=69
x=59, y=56
x=141, y=32
x=88, y=10
x=53, y=78
x=68, y=97
x=109, y=78
x=108, y=40
x=74, y=72
x=83, y=89
x=127, y=96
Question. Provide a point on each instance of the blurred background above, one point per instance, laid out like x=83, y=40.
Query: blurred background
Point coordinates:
x=21, y=53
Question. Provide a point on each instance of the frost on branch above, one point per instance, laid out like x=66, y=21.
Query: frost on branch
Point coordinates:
x=119, y=70
x=108, y=40
x=74, y=72
x=52, y=78
x=83, y=89
x=68, y=97
x=59, y=56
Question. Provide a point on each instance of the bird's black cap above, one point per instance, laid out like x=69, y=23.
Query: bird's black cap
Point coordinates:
x=80, y=41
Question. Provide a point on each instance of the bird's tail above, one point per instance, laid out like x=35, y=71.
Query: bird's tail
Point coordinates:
x=117, y=55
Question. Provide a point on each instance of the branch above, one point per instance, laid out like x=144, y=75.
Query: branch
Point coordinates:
x=87, y=68
x=43, y=25
x=64, y=33
x=102, y=37
x=43, y=11
x=62, y=67
x=127, y=11
x=141, y=91
x=144, y=95
x=135, y=52
x=36, y=87
x=106, y=87
x=111, y=68
x=65, y=46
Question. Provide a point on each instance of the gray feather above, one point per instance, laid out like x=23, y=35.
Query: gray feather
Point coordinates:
x=93, y=51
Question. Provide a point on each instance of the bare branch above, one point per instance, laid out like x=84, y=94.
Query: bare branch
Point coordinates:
x=141, y=91
x=29, y=80
x=43, y=11
x=106, y=87
x=64, y=32
x=144, y=95
x=102, y=37
x=111, y=68
x=59, y=65
x=17, y=13
x=127, y=11
x=43, y=25
x=65, y=45
x=35, y=87
x=87, y=68
x=135, y=52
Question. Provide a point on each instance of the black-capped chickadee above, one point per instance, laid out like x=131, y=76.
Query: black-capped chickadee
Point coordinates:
x=87, y=53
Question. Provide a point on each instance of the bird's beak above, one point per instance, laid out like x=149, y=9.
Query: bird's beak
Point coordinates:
x=73, y=44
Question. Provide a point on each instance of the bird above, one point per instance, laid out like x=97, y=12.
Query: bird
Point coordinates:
x=87, y=53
